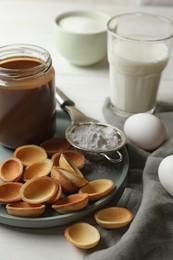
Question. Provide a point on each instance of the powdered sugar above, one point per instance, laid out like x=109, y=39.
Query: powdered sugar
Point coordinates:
x=95, y=137
x=79, y=24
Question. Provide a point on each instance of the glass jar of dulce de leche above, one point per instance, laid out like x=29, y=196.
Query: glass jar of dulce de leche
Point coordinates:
x=27, y=95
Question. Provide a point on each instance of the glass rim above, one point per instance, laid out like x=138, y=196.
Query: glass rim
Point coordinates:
x=161, y=18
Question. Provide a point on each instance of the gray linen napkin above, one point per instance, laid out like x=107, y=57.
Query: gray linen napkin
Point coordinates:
x=150, y=234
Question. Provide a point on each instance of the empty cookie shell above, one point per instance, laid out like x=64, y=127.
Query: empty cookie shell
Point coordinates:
x=10, y=192
x=11, y=169
x=71, y=203
x=65, y=163
x=82, y=235
x=75, y=157
x=25, y=209
x=38, y=169
x=78, y=180
x=98, y=188
x=38, y=190
x=29, y=154
x=58, y=176
x=113, y=217
x=54, y=145
x=56, y=196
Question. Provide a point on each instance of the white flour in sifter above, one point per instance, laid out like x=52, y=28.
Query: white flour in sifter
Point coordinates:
x=95, y=137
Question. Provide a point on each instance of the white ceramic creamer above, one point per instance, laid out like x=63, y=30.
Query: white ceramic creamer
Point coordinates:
x=135, y=70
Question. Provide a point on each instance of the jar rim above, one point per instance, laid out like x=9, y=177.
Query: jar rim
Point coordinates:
x=18, y=51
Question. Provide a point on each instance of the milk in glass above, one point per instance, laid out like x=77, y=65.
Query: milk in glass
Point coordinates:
x=135, y=70
x=139, y=46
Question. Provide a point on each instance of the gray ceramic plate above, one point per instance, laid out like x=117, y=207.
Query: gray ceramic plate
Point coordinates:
x=92, y=170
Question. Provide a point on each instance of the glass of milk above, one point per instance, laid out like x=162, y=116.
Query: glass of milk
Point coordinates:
x=139, y=47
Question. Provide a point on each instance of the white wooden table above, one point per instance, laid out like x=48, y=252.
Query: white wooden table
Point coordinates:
x=30, y=21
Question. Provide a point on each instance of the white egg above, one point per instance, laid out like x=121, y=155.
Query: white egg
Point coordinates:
x=145, y=130
x=165, y=173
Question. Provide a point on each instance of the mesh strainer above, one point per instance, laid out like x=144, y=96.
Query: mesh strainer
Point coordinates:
x=79, y=119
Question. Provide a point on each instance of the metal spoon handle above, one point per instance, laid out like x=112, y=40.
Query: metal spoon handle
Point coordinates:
x=62, y=99
x=69, y=106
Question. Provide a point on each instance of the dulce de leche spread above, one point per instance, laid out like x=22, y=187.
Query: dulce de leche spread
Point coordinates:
x=27, y=101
